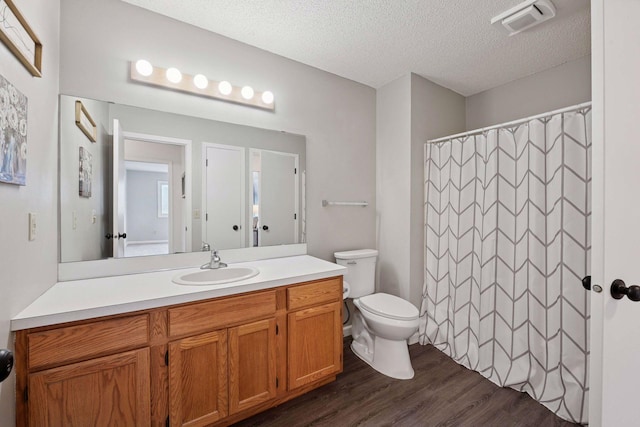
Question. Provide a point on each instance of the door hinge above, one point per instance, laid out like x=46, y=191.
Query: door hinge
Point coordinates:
x=26, y=394
x=166, y=358
x=295, y=216
x=295, y=171
x=206, y=217
x=206, y=162
x=166, y=423
x=277, y=329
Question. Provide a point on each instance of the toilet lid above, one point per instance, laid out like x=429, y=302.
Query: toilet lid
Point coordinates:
x=389, y=306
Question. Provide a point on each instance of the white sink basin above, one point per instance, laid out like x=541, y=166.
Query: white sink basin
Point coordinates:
x=216, y=277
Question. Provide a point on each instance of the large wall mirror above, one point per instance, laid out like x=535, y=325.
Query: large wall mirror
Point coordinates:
x=135, y=182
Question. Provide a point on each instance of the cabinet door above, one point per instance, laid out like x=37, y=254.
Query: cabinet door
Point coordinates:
x=198, y=379
x=112, y=390
x=315, y=344
x=252, y=364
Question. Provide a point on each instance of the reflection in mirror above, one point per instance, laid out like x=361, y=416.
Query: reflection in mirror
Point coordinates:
x=165, y=183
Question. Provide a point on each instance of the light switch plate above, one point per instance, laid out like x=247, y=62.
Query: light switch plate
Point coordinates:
x=196, y=214
x=32, y=226
x=74, y=220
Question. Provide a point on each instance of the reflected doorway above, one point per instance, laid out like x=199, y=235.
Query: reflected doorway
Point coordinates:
x=147, y=210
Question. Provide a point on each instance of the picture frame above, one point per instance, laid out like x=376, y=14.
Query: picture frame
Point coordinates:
x=85, y=170
x=13, y=134
x=18, y=36
x=85, y=122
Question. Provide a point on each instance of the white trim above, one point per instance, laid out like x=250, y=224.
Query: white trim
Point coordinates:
x=346, y=331
x=145, y=242
x=512, y=123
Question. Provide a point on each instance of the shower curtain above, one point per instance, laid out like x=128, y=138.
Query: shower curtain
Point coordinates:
x=507, y=242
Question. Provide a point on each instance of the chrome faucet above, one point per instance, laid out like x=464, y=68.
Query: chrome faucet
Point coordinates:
x=215, y=262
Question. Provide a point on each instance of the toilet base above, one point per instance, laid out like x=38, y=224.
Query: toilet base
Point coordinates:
x=388, y=357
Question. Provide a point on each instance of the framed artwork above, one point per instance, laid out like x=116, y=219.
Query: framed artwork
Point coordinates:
x=13, y=134
x=18, y=36
x=86, y=170
x=85, y=122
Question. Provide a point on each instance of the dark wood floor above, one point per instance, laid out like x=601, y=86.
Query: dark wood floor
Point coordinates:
x=442, y=393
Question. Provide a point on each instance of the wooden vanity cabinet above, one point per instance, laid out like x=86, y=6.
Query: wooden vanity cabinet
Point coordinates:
x=315, y=331
x=204, y=363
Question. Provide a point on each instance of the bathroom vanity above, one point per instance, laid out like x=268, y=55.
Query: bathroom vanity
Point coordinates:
x=141, y=350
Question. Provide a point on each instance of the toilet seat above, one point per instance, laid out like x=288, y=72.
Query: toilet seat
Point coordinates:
x=389, y=306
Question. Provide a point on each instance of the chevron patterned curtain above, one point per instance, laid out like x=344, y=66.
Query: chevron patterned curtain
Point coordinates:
x=507, y=242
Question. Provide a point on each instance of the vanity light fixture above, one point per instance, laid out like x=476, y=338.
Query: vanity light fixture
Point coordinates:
x=225, y=87
x=144, y=67
x=267, y=97
x=144, y=72
x=174, y=75
x=247, y=92
x=201, y=81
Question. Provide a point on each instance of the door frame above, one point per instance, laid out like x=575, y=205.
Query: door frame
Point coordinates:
x=188, y=173
x=243, y=198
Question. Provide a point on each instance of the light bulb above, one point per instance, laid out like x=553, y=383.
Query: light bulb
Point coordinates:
x=174, y=75
x=144, y=67
x=225, y=87
x=200, y=81
x=247, y=92
x=267, y=97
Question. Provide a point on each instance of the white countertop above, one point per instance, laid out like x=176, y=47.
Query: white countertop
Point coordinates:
x=89, y=298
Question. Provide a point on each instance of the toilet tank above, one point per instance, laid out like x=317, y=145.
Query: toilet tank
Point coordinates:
x=361, y=273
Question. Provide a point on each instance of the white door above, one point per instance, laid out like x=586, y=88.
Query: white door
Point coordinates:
x=278, y=199
x=119, y=191
x=224, y=196
x=615, y=324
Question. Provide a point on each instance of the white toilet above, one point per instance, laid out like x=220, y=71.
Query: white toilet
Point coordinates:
x=382, y=323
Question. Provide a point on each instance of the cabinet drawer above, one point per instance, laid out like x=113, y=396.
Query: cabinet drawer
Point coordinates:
x=73, y=343
x=314, y=293
x=208, y=316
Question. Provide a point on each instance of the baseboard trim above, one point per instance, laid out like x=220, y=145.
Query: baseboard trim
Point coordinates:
x=346, y=331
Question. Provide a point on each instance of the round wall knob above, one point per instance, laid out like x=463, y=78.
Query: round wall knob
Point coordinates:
x=619, y=289
x=265, y=227
x=586, y=282
x=235, y=227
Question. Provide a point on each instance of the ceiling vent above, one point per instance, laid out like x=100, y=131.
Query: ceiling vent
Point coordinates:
x=525, y=15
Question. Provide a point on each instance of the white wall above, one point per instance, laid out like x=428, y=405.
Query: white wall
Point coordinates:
x=86, y=241
x=336, y=115
x=435, y=112
x=562, y=86
x=27, y=269
x=393, y=185
x=410, y=110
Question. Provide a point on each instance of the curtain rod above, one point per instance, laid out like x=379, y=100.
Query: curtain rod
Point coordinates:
x=515, y=122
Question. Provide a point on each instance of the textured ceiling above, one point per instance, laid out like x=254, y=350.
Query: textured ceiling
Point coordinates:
x=450, y=42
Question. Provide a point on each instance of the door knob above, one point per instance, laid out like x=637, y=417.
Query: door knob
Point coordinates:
x=265, y=227
x=120, y=236
x=236, y=228
x=108, y=236
x=619, y=289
